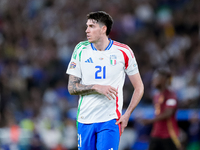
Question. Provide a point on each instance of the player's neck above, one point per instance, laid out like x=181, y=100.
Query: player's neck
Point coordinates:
x=162, y=89
x=102, y=43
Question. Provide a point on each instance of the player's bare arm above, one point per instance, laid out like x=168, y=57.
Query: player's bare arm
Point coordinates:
x=165, y=115
x=76, y=88
x=137, y=95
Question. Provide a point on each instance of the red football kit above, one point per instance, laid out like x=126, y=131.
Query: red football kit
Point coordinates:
x=167, y=128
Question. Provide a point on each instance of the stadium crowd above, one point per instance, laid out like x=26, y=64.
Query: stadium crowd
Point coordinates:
x=37, y=38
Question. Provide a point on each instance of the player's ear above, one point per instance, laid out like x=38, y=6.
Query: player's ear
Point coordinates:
x=104, y=29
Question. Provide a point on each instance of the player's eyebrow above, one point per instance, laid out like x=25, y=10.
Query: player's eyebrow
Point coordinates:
x=89, y=24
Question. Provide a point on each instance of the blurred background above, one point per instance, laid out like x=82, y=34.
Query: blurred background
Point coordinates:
x=37, y=38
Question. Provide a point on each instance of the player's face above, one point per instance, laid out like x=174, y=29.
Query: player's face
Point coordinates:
x=158, y=80
x=94, y=31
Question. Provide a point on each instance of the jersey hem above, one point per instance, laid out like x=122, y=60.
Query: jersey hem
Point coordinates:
x=90, y=122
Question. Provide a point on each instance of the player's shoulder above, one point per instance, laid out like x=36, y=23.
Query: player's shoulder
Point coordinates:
x=170, y=93
x=82, y=45
x=79, y=47
x=120, y=45
x=124, y=47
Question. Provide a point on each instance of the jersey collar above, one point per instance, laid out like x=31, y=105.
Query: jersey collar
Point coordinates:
x=107, y=48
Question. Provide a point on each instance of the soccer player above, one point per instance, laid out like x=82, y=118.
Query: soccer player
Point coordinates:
x=164, y=135
x=97, y=73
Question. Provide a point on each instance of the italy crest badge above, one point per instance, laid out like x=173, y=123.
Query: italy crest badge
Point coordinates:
x=113, y=60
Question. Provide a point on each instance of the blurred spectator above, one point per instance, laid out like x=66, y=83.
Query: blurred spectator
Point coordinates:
x=194, y=132
x=69, y=141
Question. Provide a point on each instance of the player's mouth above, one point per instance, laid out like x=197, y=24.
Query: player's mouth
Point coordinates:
x=88, y=37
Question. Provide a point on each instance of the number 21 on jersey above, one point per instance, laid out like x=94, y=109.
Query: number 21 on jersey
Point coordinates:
x=100, y=72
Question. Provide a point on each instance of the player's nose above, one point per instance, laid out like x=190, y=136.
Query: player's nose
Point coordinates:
x=87, y=30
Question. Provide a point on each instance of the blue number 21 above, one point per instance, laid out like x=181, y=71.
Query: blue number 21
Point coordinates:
x=98, y=74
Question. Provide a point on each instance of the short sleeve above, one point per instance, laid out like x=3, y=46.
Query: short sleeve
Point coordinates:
x=171, y=102
x=74, y=64
x=132, y=66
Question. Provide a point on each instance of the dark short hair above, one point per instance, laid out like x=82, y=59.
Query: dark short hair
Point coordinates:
x=102, y=17
x=164, y=71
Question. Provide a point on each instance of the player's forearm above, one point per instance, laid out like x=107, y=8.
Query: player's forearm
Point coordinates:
x=137, y=95
x=76, y=88
x=165, y=115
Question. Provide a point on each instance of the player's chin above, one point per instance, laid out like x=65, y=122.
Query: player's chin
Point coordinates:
x=90, y=40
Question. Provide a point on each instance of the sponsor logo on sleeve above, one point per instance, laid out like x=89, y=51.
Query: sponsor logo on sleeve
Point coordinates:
x=72, y=65
x=171, y=102
x=134, y=65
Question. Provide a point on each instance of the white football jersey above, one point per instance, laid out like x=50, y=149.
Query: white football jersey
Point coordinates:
x=104, y=68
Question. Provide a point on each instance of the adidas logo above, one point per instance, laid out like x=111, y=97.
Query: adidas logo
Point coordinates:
x=89, y=60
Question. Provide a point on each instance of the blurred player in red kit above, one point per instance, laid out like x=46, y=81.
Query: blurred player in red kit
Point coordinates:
x=164, y=135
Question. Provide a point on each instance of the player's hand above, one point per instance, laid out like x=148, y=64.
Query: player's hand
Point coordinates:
x=123, y=121
x=145, y=121
x=107, y=90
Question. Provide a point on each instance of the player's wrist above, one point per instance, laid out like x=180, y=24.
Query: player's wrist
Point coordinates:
x=94, y=87
x=127, y=114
